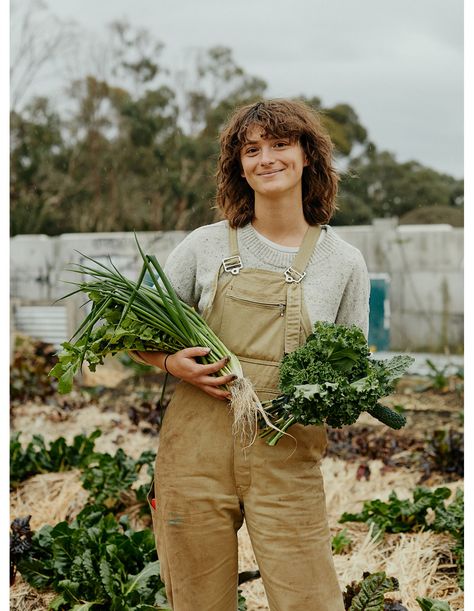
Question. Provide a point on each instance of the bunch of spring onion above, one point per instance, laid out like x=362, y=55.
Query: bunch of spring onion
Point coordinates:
x=331, y=379
x=128, y=315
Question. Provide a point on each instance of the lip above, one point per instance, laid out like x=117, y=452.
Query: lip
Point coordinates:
x=271, y=173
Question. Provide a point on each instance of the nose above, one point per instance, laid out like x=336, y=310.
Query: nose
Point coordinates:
x=267, y=155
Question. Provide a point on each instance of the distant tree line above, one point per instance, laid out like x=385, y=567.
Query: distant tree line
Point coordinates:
x=137, y=151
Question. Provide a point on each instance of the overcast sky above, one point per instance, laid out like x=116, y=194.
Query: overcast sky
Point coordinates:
x=399, y=64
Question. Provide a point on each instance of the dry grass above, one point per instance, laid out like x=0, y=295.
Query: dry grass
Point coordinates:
x=421, y=562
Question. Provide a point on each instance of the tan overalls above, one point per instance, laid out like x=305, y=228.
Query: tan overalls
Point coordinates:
x=205, y=481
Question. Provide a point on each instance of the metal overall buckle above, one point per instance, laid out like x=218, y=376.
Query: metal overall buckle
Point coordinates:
x=292, y=275
x=232, y=264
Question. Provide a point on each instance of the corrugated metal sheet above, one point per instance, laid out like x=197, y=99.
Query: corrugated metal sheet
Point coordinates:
x=46, y=323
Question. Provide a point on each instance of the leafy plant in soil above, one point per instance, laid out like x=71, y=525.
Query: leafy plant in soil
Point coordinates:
x=450, y=519
x=430, y=604
x=20, y=543
x=107, y=476
x=368, y=594
x=445, y=451
x=32, y=361
x=440, y=380
x=404, y=515
x=399, y=515
x=95, y=563
x=341, y=542
x=356, y=441
x=37, y=458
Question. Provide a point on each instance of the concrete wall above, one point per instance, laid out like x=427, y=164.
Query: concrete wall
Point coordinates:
x=425, y=264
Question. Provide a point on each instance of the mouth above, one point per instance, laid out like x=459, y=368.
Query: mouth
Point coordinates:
x=272, y=173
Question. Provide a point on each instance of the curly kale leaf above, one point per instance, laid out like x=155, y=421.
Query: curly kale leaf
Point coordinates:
x=332, y=379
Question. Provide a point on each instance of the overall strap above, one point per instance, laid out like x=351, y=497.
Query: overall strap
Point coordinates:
x=233, y=263
x=294, y=294
x=296, y=273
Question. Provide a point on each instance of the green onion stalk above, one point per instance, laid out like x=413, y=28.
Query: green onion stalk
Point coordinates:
x=127, y=316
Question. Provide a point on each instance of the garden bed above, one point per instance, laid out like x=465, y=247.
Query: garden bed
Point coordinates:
x=124, y=407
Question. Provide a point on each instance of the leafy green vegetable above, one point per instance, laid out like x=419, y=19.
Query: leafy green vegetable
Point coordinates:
x=36, y=458
x=451, y=519
x=107, y=476
x=403, y=515
x=371, y=595
x=133, y=316
x=341, y=542
x=368, y=594
x=399, y=515
x=332, y=379
x=430, y=604
x=96, y=563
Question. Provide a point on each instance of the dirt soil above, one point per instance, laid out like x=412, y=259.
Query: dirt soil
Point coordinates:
x=124, y=408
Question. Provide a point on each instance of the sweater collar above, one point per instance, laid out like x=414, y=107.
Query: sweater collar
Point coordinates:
x=248, y=239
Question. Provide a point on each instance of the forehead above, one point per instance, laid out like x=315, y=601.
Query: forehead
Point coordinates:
x=255, y=133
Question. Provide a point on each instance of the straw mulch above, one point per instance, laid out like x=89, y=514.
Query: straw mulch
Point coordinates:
x=422, y=562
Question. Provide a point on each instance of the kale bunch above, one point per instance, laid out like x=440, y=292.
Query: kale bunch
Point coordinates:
x=332, y=379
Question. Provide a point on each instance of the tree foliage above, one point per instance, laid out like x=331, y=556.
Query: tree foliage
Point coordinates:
x=136, y=148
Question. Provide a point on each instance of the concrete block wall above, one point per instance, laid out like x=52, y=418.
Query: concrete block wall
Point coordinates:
x=425, y=264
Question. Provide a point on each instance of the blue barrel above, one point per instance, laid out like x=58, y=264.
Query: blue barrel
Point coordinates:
x=379, y=316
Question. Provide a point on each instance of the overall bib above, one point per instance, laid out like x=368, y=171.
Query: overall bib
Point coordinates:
x=206, y=481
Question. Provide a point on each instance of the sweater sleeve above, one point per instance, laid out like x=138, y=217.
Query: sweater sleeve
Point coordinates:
x=354, y=306
x=180, y=269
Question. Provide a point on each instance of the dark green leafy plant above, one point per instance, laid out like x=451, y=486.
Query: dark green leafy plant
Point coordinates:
x=399, y=515
x=445, y=449
x=106, y=476
x=430, y=604
x=368, y=594
x=451, y=519
x=32, y=360
x=37, y=458
x=332, y=379
x=95, y=563
x=341, y=542
x=242, y=603
x=404, y=515
x=20, y=543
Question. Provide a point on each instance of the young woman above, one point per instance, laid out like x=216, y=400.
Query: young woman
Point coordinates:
x=261, y=277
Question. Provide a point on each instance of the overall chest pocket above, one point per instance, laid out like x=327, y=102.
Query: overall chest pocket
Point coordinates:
x=253, y=325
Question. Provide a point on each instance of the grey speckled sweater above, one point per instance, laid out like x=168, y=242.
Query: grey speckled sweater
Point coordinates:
x=336, y=287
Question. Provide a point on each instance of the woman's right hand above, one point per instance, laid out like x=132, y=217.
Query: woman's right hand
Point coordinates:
x=182, y=365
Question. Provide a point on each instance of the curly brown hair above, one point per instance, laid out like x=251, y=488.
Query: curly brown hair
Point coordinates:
x=278, y=118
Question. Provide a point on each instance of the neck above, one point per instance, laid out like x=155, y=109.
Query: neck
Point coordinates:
x=280, y=220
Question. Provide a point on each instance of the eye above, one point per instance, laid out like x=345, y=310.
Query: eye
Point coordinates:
x=251, y=150
x=281, y=143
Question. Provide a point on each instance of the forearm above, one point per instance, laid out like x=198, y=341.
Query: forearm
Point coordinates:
x=149, y=358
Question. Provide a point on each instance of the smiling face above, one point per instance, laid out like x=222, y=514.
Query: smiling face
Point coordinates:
x=272, y=166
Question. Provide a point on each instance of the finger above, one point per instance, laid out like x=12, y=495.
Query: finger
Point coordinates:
x=220, y=380
x=217, y=394
x=213, y=367
x=195, y=351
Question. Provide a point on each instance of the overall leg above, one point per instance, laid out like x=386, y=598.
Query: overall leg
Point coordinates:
x=198, y=513
x=285, y=512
